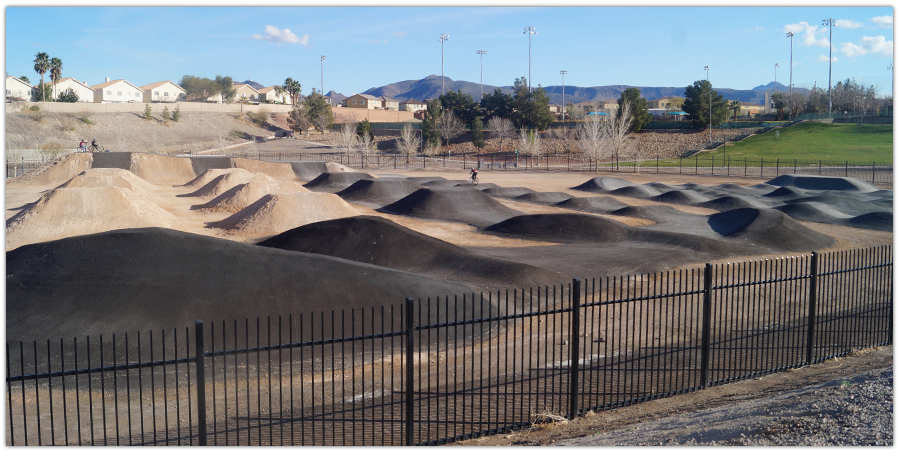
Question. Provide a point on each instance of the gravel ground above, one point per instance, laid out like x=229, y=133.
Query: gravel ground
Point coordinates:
x=850, y=411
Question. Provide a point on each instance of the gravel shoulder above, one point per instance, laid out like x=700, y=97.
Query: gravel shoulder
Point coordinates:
x=846, y=401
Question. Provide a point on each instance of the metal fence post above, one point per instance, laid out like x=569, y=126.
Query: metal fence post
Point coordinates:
x=811, y=325
x=409, y=371
x=707, y=308
x=201, y=383
x=573, y=357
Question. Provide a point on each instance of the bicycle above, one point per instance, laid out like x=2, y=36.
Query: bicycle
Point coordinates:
x=94, y=148
x=473, y=181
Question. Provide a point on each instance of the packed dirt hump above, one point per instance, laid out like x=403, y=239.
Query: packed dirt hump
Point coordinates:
x=120, y=242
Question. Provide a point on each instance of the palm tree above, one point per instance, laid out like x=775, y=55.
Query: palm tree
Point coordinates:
x=735, y=105
x=41, y=65
x=292, y=88
x=55, y=73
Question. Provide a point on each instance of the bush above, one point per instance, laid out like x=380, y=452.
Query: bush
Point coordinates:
x=68, y=96
x=176, y=115
x=260, y=116
x=148, y=112
x=165, y=114
x=85, y=116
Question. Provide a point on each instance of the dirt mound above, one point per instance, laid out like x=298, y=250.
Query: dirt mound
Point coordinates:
x=307, y=171
x=142, y=279
x=769, y=228
x=66, y=212
x=603, y=184
x=226, y=181
x=845, y=204
x=507, y=192
x=823, y=183
x=461, y=204
x=335, y=182
x=157, y=169
x=786, y=193
x=544, y=198
x=381, y=242
x=812, y=211
x=732, y=202
x=879, y=220
x=662, y=187
x=207, y=176
x=656, y=213
x=636, y=191
x=564, y=228
x=277, y=213
x=277, y=170
x=681, y=197
x=108, y=177
x=56, y=172
x=593, y=204
x=380, y=191
x=422, y=180
x=242, y=195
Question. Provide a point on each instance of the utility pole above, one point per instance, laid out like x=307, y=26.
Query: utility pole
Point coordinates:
x=710, y=103
x=564, y=73
x=529, y=31
x=481, y=53
x=791, y=81
x=830, y=24
x=322, y=65
x=444, y=37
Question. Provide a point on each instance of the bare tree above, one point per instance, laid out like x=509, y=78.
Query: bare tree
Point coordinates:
x=451, y=127
x=530, y=143
x=409, y=141
x=347, y=137
x=367, y=146
x=431, y=149
x=500, y=128
x=615, y=133
x=590, y=137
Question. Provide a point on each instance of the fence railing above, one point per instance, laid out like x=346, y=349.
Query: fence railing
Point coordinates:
x=438, y=370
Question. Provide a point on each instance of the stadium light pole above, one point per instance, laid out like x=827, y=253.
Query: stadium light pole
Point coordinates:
x=710, y=102
x=529, y=31
x=444, y=37
x=891, y=68
x=791, y=80
x=564, y=73
x=481, y=53
x=830, y=24
x=322, y=81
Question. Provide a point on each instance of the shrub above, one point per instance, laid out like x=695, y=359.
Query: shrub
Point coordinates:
x=260, y=116
x=176, y=114
x=165, y=114
x=148, y=112
x=68, y=96
x=85, y=116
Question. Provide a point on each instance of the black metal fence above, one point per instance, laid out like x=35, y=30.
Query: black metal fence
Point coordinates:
x=443, y=369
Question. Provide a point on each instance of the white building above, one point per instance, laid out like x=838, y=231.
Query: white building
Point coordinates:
x=84, y=92
x=163, y=91
x=118, y=91
x=18, y=89
x=267, y=94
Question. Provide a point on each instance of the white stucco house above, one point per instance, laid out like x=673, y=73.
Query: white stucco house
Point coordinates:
x=267, y=94
x=18, y=89
x=84, y=92
x=363, y=101
x=163, y=91
x=117, y=91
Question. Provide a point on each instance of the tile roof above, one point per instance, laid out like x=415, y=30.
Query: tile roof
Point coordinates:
x=157, y=84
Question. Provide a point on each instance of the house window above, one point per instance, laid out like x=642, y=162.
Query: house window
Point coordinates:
x=8, y=92
x=156, y=92
x=109, y=92
x=165, y=94
x=119, y=93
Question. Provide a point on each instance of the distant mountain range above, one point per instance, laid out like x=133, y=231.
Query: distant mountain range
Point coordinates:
x=430, y=87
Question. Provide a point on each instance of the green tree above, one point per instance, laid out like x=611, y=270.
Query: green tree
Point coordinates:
x=696, y=104
x=42, y=92
x=478, y=133
x=225, y=87
x=68, y=96
x=319, y=111
x=462, y=105
x=176, y=114
x=165, y=115
x=298, y=119
x=41, y=66
x=735, y=106
x=197, y=88
x=637, y=105
x=148, y=112
x=25, y=79
x=292, y=88
x=431, y=131
x=531, y=109
x=55, y=72
x=363, y=128
x=496, y=104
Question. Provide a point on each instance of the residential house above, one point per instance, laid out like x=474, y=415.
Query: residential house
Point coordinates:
x=268, y=94
x=117, y=91
x=556, y=109
x=163, y=91
x=18, y=90
x=390, y=104
x=749, y=109
x=412, y=105
x=363, y=101
x=84, y=92
x=246, y=90
x=609, y=105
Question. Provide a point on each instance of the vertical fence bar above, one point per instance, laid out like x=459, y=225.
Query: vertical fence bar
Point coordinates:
x=707, y=307
x=201, y=383
x=409, y=371
x=811, y=325
x=573, y=360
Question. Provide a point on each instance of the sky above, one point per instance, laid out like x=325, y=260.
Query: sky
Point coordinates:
x=371, y=46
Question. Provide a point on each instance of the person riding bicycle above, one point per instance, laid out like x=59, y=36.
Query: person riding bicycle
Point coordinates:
x=81, y=146
x=94, y=144
x=473, y=175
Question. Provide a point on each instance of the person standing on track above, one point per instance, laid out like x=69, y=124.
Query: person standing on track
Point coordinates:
x=81, y=147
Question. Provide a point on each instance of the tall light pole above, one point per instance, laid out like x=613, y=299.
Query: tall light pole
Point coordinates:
x=444, y=37
x=481, y=53
x=710, y=102
x=564, y=73
x=322, y=81
x=891, y=67
x=791, y=81
x=529, y=31
x=830, y=24
x=776, y=88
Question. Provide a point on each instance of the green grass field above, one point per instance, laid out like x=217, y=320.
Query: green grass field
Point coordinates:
x=816, y=141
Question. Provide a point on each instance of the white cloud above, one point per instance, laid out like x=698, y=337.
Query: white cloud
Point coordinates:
x=878, y=45
x=274, y=35
x=807, y=34
x=399, y=34
x=825, y=59
x=884, y=22
x=852, y=50
x=847, y=24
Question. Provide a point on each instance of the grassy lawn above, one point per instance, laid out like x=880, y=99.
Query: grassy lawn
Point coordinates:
x=816, y=141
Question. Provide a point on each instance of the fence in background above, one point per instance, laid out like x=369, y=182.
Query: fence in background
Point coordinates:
x=438, y=370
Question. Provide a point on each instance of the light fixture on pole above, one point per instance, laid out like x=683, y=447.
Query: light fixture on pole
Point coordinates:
x=564, y=73
x=710, y=102
x=322, y=81
x=830, y=24
x=791, y=66
x=529, y=31
x=444, y=37
x=481, y=53
x=891, y=67
x=776, y=77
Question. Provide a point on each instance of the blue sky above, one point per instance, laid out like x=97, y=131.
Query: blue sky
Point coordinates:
x=372, y=46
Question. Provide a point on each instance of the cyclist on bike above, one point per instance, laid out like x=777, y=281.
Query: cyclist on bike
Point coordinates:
x=94, y=144
x=473, y=175
x=81, y=146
